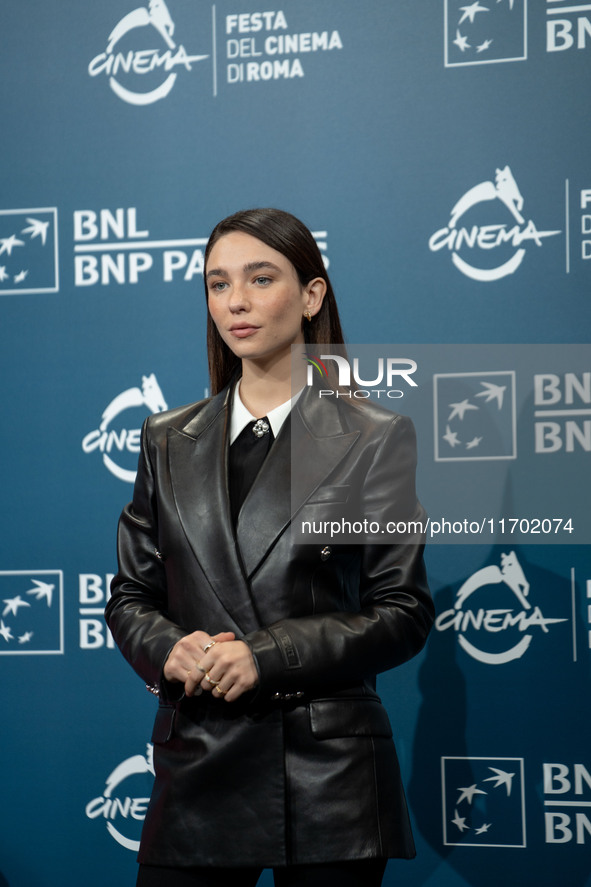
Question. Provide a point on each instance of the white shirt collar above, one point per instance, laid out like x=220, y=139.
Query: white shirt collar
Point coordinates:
x=241, y=417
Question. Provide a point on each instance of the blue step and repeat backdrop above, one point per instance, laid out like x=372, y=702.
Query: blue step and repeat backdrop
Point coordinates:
x=440, y=152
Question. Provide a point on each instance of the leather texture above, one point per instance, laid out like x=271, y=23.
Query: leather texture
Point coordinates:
x=303, y=769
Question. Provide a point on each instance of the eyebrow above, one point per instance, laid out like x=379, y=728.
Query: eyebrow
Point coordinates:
x=250, y=266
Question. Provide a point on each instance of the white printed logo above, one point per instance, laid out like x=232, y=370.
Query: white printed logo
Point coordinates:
x=122, y=63
x=28, y=251
x=475, y=416
x=109, y=439
x=500, y=623
x=493, y=239
x=483, y=802
x=110, y=246
x=479, y=33
x=125, y=799
x=31, y=612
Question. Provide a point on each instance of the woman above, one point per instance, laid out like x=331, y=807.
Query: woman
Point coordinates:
x=271, y=747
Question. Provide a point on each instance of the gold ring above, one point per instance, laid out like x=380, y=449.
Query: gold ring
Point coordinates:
x=222, y=692
x=207, y=678
x=209, y=646
x=189, y=670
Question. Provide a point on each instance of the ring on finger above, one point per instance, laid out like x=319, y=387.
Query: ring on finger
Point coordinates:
x=209, y=646
x=221, y=692
x=210, y=680
x=198, y=666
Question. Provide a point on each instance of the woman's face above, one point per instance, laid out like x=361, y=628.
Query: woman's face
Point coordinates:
x=255, y=297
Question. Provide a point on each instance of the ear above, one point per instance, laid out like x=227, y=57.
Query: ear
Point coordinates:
x=314, y=293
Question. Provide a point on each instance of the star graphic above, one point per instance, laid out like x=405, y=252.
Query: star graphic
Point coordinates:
x=18, y=278
x=459, y=409
x=7, y=244
x=4, y=275
x=460, y=821
x=461, y=42
x=25, y=638
x=483, y=828
x=473, y=443
x=501, y=778
x=451, y=437
x=37, y=228
x=492, y=392
x=470, y=11
x=483, y=46
x=13, y=603
x=43, y=590
x=468, y=793
x=5, y=631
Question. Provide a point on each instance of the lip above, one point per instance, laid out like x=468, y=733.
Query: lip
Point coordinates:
x=243, y=330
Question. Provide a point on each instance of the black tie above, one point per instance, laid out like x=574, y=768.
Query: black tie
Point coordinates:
x=247, y=454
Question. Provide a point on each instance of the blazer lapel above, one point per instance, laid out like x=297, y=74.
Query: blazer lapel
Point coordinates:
x=319, y=442
x=198, y=470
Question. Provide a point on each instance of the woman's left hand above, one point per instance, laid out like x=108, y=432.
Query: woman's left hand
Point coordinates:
x=228, y=670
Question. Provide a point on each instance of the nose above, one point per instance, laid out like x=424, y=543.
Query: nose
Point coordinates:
x=238, y=300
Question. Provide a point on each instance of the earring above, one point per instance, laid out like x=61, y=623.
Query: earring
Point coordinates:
x=308, y=316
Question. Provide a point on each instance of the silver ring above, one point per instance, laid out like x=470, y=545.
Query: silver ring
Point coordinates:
x=209, y=646
x=202, y=670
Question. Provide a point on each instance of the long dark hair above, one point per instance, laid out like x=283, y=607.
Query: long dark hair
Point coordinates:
x=290, y=237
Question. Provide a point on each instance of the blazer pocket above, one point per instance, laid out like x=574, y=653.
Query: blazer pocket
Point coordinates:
x=331, y=718
x=163, y=724
x=330, y=494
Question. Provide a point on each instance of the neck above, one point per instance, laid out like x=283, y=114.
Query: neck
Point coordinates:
x=264, y=387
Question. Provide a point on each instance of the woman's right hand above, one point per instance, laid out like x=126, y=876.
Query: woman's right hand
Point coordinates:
x=181, y=665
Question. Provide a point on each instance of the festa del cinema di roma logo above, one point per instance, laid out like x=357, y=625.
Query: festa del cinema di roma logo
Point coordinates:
x=111, y=439
x=156, y=66
x=120, y=806
x=495, y=623
x=489, y=239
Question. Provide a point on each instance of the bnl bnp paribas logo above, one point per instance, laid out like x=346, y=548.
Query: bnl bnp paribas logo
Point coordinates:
x=28, y=251
x=488, y=31
x=31, y=612
x=478, y=33
x=119, y=433
x=139, y=72
x=483, y=802
x=474, y=416
x=487, y=235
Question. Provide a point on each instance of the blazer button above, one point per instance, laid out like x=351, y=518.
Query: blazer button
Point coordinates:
x=325, y=553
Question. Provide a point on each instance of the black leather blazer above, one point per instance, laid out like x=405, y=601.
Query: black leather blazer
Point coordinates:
x=303, y=769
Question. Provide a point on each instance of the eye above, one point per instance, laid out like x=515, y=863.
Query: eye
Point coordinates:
x=262, y=280
x=217, y=286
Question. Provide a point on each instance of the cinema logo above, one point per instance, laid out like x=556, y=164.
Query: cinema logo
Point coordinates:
x=128, y=66
x=114, y=438
x=474, y=246
x=124, y=801
x=500, y=634
x=341, y=377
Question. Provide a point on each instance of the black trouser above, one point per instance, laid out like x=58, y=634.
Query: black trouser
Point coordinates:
x=355, y=873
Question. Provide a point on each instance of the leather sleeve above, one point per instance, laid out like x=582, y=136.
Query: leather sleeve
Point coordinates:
x=395, y=607
x=136, y=611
